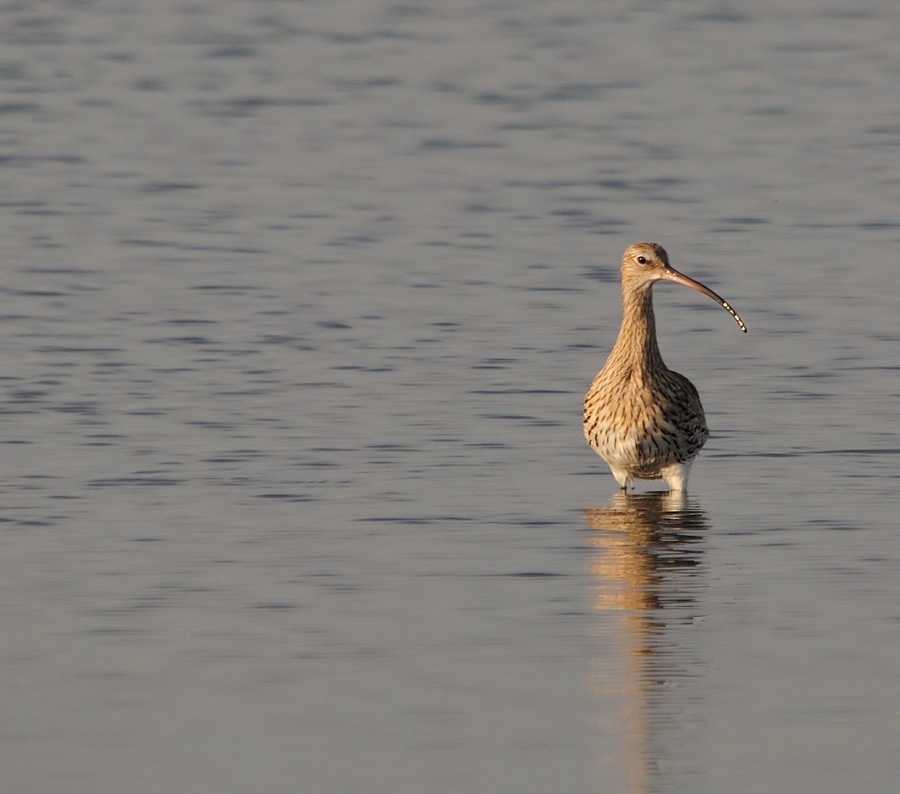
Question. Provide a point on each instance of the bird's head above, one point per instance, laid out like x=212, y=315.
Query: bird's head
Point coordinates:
x=643, y=264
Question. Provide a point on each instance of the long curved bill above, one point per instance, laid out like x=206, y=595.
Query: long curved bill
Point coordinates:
x=672, y=274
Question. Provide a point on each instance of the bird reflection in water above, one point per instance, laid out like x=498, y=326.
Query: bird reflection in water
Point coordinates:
x=648, y=573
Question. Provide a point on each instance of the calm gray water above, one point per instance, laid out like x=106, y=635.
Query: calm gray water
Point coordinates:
x=299, y=304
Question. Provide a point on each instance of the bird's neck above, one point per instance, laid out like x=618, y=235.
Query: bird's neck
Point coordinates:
x=636, y=346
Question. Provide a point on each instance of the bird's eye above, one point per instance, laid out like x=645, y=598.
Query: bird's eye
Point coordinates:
x=642, y=260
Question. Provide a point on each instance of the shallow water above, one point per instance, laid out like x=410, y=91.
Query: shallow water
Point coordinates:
x=300, y=305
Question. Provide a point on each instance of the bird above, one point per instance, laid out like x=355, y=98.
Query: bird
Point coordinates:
x=643, y=419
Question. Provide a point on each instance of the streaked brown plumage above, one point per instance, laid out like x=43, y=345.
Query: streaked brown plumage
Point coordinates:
x=643, y=419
